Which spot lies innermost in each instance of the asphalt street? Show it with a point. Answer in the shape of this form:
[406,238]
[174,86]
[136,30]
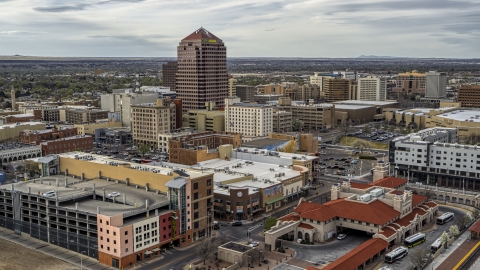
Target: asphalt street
[433,235]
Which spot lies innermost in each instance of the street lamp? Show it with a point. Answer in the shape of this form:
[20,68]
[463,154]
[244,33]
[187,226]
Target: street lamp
[81,259]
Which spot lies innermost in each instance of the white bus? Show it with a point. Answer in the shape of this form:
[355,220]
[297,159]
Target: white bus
[436,245]
[414,240]
[445,218]
[396,254]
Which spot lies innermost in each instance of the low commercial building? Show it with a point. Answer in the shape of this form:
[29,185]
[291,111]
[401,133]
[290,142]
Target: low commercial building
[433,156]
[90,128]
[356,114]
[75,116]
[67,144]
[18,118]
[113,136]
[189,149]
[36,136]
[12,131]
[204,120]
[384,208]
[303,143]
[467,121]
[22,153]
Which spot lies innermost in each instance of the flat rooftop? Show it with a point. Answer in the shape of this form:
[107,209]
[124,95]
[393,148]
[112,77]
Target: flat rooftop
[258,170]
[276,153]
[263,142]
[462,115]
[159,167]
[81,193]
[21,115]
[351,107]
[21,124]
[67,139]
[236,247]
[369,103]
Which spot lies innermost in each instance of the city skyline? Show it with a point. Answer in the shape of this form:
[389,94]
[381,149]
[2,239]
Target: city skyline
[137,28]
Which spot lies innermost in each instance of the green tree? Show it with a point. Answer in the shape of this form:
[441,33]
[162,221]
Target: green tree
[269,223]
[367,129]
[297,125]
[32,168]
[143,149]
[454,231]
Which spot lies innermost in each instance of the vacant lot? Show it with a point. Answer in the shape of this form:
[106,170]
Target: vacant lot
[351,141]
[16,257]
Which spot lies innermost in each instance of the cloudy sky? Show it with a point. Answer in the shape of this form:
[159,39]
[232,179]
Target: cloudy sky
[257,28]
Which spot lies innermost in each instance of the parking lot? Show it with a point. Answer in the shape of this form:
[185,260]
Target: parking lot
[128,153]
[343,162]
[375,136]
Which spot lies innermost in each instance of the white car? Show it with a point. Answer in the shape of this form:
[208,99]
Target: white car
[125,154]
[341,236]
[113,194]
[253,244]
[50,193]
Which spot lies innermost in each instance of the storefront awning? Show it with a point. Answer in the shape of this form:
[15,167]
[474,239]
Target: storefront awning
[148,252]
[293,194]
[155,249]
[275,200]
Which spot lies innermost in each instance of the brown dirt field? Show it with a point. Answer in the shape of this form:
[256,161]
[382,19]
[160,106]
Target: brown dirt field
[16,257]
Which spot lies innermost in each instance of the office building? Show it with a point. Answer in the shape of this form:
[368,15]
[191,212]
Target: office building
[251,120]
[436,84]
[169,71]
[309,92]
[122,100]
[232,86]
[150,119]
[469,96]
[282,121]
[78,116]
[313,116]
[246,93]
[318,79]
[337,89]
[410,83]
[372,88]
[202,71]
[349,75]
[204,120]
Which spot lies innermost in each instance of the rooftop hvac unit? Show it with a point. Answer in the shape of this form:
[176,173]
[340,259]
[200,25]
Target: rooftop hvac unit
[365,198]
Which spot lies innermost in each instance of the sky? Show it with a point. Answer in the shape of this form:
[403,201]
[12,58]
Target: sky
[249,28]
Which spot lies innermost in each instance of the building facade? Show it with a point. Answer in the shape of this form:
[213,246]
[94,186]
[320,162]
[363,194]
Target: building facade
[410,83]
[84,116]
[372,88]
[122,102]
[337,89]
[12,131]
[246,93]
[204,120]
[113,136]
[436,84]
[202,70]
[169,71]
[150,119]
[35,136]
[282,121]
[469,96]
[251,120]
[232,86]
[314,116]
[67,144]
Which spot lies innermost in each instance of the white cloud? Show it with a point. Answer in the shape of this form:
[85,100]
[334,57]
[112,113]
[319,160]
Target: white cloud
[304,28]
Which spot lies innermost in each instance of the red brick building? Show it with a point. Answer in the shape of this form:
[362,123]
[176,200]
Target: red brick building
[36,136]
[68,144]
[25,117]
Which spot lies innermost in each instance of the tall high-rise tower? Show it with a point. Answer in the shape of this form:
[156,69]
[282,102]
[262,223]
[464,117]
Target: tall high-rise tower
[201,70]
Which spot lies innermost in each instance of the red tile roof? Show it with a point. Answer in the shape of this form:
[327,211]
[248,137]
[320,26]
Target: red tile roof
[200,34]
[417,199]
[289,217]
[389,182]
[431,204]
[359,255]
[405,221]
[475,227]
[360,185]
[306,226]
[375,212]
[387,232]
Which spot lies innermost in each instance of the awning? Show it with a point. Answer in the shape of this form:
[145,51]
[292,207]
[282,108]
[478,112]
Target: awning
[295,193]
[155,249]
[148,252]
[275,200]
[256,210]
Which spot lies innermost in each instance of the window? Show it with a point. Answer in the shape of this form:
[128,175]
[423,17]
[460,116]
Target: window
[195,206]
[209,182]
[108,248]
[195,215]
[101,246]
[114,233]
[114,242]
[108,231]
[126,250]
[195,196]
[114,250]
[107,223]
[126,232]
[101,229]
[195,186]
[195,225]
[209,192]
[126,241]
[108,240]
[100,221]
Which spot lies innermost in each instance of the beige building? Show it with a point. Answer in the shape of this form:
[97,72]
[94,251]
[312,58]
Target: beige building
[204,120]
[469,95]
[282,121]
[12,131]
[150,119]
[251,120]
[337,89]
[314,116]
[309,92]
[84,116]
[232,86]
[372,88]
[90,128]
[411,82]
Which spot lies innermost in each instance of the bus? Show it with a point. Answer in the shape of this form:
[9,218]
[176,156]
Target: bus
[446,217]
[436,245]
[414,240]
[396,254]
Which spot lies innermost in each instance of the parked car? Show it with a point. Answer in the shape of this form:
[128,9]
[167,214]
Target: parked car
[341,236]
[50,193]
[113,194]
[237,223]
[216,225]
[253,244]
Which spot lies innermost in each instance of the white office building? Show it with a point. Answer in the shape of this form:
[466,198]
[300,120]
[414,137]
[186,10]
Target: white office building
[372,88]
[251,120]
[436,85]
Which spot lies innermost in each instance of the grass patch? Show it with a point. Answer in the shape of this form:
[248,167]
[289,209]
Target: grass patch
[351,141]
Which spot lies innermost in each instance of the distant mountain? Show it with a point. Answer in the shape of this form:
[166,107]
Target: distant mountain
[376,56]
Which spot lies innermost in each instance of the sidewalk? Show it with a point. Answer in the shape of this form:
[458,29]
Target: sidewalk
[455,252]
[52,250]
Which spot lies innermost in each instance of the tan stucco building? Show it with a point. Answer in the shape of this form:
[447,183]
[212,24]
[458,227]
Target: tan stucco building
[204,120]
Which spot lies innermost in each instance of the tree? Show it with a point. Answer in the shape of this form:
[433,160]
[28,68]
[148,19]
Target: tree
[445,237]
[269,223]
[206,248]
[143,149]
[476,214]
[297,125]
[361,144]
[32,168]
[463,221]
[454,231]
[256,255]
[421,257]
[367,129]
